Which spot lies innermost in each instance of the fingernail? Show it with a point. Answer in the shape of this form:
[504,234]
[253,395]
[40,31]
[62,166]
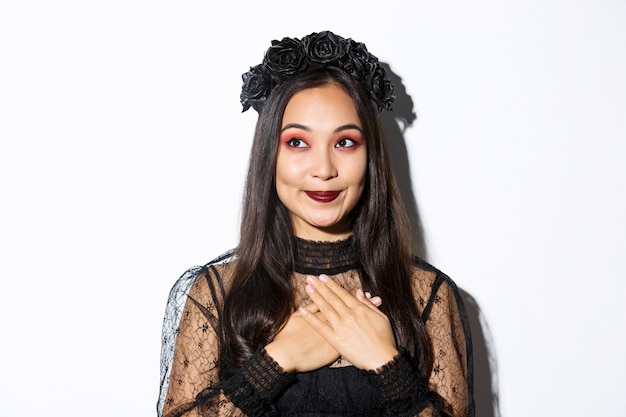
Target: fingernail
[303,311]
[310,279]
[323,278]
[368,295]
[309,289]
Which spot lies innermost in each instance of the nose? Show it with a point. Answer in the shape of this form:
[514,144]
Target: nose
[323,165]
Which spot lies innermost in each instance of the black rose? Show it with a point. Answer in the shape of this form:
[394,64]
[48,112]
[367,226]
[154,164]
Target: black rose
[256,87]
[357,60]
[325,47]
[292,56]
[286,57]
[381,88]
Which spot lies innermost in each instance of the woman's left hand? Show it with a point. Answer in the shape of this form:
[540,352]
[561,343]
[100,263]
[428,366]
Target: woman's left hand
[355,327]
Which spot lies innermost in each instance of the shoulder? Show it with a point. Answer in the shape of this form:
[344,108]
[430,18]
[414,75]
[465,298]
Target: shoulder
[431,285]
[425,270]
[208,279]
[199,287]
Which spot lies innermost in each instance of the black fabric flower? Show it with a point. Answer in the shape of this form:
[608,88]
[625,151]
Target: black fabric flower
[381,89]
[325,47]
[286,57]
[292,56]
[357,60]
[257,85]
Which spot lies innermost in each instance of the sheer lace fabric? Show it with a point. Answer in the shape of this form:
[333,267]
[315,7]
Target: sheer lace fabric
[193,383]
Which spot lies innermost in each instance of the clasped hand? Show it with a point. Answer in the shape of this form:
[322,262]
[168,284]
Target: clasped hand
[336,323]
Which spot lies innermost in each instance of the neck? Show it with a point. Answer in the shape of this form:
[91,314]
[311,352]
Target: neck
[340,231]
[325,257]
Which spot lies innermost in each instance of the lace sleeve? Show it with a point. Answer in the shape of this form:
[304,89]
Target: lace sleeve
[194,382]
[173,312]
[447,389]
[190,345]
[448,329]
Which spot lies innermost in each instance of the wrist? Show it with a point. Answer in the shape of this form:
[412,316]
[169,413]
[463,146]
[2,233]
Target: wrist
[381,359]
[255,386]
[400,385]
[280,356]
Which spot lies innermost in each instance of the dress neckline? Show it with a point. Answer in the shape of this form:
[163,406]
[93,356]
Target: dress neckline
[315,258]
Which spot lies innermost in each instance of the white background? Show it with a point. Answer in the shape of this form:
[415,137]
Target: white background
[123,149]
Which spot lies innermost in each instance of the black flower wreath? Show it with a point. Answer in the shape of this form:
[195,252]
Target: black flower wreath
[292,56]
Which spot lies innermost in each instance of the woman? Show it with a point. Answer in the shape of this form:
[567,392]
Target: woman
[321,309]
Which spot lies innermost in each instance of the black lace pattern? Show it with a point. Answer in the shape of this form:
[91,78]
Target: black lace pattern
[194,383]
[330,258]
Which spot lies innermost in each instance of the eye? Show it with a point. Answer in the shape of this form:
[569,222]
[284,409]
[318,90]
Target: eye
[346,143]
[296,143]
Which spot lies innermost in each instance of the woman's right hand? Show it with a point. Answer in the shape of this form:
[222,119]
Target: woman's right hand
[298,347]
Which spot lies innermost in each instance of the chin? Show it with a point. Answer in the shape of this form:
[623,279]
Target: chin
[331,227]
[325,224]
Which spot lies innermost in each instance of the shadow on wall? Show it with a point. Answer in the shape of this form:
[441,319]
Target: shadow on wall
[394,124]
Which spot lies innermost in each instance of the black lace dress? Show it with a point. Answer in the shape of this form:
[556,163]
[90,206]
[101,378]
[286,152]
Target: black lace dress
[195,383]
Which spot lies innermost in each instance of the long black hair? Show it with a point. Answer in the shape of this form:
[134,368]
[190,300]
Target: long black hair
[261,296]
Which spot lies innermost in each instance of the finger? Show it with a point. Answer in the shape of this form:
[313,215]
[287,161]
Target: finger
[367,299]
[336,290]
[320,298]
[333,300]
[312,307]
[377,301]
[322,327]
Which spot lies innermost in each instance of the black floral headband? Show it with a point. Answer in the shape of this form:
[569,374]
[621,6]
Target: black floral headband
[293,56]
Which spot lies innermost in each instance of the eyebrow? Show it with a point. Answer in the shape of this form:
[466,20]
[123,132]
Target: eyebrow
[341,128]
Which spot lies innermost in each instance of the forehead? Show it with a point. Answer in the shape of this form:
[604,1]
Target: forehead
[327,104]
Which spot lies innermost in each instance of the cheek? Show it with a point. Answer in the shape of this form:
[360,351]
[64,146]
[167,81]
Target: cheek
[361,177]
[356,177]
[359,169]
[286,171]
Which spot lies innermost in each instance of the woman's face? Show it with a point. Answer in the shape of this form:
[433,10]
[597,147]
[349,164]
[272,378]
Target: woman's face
[321,163]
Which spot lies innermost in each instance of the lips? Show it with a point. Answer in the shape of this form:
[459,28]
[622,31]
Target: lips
[323,196]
